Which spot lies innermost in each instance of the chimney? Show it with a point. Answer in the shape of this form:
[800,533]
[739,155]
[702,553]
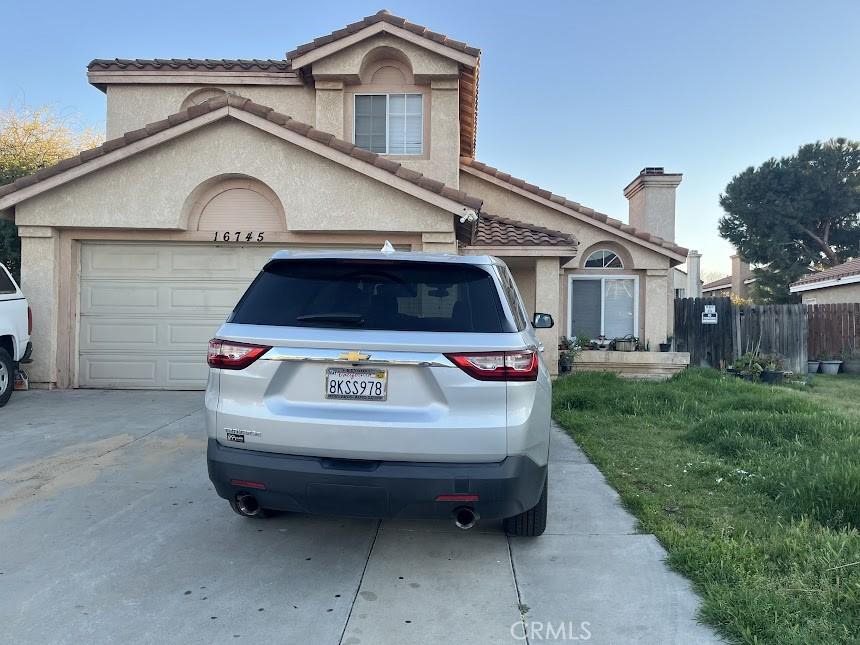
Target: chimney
[652,202]
[694,281]
[740,274]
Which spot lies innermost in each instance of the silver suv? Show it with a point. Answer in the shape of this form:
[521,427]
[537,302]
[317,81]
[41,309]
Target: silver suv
[381,385]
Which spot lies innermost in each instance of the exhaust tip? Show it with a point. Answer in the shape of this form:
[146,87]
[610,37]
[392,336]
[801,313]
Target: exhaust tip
[247,504]
[465,517]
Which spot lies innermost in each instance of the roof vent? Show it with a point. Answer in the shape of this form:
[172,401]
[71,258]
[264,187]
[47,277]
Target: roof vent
[652,170]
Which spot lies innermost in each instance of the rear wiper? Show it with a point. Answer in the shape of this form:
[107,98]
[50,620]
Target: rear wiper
[345,319]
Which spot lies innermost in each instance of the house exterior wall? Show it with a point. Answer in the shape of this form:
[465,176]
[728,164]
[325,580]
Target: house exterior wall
[652,268]
[149,190]
[327,103]
[832,295]
[132,106]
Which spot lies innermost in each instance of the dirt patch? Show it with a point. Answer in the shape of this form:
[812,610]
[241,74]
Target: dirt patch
[71,467]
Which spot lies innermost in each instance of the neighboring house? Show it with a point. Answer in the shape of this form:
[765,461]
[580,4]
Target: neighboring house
[134,252]
[737,284]
[834,285]
[682,279]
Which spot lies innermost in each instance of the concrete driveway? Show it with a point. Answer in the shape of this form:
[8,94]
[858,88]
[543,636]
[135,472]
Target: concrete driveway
[110,532]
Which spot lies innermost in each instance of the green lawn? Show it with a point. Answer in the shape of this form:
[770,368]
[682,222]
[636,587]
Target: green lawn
[753,490]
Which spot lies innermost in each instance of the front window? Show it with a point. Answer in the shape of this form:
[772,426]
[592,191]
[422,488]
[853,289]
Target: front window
[390,124]
[603,306]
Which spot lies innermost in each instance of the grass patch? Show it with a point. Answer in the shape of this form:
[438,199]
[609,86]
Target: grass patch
[753,490]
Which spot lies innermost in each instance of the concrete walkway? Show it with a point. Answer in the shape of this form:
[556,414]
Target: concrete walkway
[110,532]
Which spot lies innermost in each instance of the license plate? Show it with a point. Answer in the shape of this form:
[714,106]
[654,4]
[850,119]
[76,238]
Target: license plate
[356,384]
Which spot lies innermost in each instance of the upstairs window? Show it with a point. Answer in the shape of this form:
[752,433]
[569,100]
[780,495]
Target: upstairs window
[390,124]
[604,259]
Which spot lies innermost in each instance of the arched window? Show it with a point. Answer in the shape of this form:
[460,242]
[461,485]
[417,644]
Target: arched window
[199,96]
[604,259]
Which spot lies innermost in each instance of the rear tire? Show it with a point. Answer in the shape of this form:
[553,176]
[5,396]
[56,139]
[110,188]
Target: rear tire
[260,515]
[530,523]
[7,377]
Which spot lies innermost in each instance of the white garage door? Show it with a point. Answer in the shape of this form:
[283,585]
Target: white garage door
[147,310]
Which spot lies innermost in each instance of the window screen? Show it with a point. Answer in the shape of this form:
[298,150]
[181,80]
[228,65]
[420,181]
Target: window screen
[370,119]
[390,123]
[585,308]
[373,294]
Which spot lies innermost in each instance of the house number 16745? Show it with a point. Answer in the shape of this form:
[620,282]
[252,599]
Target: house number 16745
[237,236]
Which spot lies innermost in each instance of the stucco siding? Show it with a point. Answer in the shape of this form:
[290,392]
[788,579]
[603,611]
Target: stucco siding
[149,190]
[832,295]
[130,107]
[503,202]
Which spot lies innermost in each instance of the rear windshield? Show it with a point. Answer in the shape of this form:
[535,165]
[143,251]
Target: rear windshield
[373,294]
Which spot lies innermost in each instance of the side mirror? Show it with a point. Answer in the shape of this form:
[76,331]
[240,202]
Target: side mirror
[542,321]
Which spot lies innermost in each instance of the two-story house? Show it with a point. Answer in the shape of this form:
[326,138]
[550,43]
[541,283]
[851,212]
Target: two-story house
[134,252]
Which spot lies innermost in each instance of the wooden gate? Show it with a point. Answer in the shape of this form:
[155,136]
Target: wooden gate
[765,329]
[708,344]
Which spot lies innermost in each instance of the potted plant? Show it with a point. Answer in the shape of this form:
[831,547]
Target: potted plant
[748,367]
[831,365]
[626,344]
[565,361]
[772,372]
[851,361]
[667,346]
[812,365]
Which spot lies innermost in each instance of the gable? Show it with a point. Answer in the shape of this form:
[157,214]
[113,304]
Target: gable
[150,189]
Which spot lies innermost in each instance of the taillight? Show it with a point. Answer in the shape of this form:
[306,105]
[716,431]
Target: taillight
[29,321]
[232,355]
[498,366]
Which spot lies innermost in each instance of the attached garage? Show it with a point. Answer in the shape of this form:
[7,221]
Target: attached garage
[148,310]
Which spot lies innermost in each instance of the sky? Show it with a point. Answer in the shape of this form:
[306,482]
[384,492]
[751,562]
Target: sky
[575,96]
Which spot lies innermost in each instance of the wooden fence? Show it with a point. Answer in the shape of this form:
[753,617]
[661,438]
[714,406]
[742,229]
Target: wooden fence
[834,330]
[766,329]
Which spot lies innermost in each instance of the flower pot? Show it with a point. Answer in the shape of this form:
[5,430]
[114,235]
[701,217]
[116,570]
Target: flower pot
[665,347]
[625,345]
[851,366]
[772,378]
[830,367]
[563,367]
[812,366]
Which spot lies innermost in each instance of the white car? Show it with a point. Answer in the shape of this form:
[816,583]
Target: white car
[16,324]
[380,385]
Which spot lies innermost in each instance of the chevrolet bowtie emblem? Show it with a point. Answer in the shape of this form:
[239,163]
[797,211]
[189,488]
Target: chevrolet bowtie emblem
[353,356]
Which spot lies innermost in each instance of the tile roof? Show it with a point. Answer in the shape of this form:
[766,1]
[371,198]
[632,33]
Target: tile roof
[492,230]
[722,282]
[844,270]
[241,103]
[383,16]
[184,64]
[468,76]
[571,205]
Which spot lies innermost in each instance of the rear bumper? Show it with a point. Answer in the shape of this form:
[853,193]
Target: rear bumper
[375,488]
